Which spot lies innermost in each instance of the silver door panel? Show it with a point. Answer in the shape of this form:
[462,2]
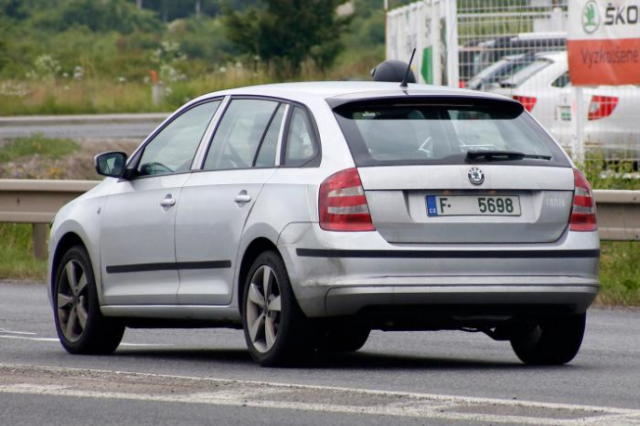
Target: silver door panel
[137,230]
[209,227]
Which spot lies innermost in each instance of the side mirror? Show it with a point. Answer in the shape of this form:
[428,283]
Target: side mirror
[111,164]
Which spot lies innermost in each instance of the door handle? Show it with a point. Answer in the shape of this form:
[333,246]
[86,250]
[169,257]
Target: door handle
[168,201]
[243,197]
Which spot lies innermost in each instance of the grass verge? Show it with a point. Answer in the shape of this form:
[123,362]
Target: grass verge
[16,254]
[620,273]
[29,146]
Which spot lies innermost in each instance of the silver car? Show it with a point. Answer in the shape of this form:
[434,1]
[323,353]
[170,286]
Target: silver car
[309,214]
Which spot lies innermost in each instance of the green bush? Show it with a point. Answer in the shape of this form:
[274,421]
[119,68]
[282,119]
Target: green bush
[617,173]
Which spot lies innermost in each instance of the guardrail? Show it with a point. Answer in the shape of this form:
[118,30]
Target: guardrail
[618,214]
[37,201]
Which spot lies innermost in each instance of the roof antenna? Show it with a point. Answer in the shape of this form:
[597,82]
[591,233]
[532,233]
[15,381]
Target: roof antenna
[406,74]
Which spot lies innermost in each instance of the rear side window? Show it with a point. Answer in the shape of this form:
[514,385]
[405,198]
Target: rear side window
[563,81]
[239,134]
[267,152]
[385,133]
[301,147]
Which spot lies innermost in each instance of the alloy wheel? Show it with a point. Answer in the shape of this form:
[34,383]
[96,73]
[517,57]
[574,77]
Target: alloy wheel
[264,308]
[73,301]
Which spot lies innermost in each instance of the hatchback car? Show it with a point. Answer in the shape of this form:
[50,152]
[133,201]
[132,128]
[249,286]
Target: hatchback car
[309,214]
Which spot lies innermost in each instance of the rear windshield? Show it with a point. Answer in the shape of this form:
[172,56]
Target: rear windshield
[526,73]
[442,132]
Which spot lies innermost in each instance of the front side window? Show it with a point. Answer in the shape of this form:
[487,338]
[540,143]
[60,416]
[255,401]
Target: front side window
[172,150]
[238,135]
[300,140]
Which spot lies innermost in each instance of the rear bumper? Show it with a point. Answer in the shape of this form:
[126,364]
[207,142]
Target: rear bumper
[341,274]
[348,301]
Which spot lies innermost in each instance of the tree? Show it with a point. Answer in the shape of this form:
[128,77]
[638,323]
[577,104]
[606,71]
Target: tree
[13,9]
[101,16]
[287,32]
[170,10]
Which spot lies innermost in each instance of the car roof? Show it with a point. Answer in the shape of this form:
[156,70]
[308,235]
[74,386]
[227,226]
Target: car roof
[348,90]
[554,56]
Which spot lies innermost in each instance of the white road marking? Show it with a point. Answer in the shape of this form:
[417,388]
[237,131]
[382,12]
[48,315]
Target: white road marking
[146,345]
[55,339]
[411,404]
[2,331]
[33,339]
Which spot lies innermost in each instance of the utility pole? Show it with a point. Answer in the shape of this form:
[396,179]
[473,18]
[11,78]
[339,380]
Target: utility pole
[198,7]
[139,4]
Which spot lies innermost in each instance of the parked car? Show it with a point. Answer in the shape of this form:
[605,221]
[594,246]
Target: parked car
[609,125]
[544,88]
[538,86]
[496,49]
[309,214]
[504,68]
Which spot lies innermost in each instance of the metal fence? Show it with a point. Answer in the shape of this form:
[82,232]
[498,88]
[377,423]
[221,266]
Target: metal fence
[517,48]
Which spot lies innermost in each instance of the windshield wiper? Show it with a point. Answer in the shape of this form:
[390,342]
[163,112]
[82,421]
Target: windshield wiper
[504,155]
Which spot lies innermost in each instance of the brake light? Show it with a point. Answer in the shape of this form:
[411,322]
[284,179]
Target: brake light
[583,213]
[602,106]
[343,205]
[528,102]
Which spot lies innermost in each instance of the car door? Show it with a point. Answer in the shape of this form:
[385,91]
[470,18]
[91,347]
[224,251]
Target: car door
[217,200]
[138,261]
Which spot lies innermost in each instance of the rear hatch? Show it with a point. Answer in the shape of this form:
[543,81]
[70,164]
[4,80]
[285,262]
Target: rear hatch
[458,170]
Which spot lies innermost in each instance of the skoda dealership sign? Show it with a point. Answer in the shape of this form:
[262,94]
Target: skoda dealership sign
[590,17]
[604,42]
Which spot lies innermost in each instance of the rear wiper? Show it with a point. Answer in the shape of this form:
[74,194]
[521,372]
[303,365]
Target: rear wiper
[504,155]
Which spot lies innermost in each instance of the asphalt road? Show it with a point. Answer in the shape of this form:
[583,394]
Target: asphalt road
[90,131]
[206,377]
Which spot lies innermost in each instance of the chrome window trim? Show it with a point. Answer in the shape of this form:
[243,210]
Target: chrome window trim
[198,160]
[285,119]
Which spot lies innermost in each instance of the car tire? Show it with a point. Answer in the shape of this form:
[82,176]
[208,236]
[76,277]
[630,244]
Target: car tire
[276,330]
[343,339]
[81,327]
[552,342]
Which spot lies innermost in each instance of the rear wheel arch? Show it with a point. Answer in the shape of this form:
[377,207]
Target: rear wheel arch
[251,253]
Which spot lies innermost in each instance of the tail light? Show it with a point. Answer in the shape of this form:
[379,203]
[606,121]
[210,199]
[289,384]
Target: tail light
[602,106]
[583,213]
[462,84]
[528,102]
[343,205]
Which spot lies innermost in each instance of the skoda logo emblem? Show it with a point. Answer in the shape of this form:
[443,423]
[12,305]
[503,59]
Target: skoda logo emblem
[590,17]
[476,176]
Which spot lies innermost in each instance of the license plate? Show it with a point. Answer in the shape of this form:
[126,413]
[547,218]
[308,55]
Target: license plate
[473,205]
[564,112]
